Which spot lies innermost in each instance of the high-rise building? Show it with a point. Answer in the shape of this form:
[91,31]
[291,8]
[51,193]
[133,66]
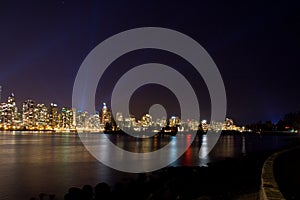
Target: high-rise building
[74,117]
[119,117]
[3,113]
[41,116]
[204,125]
[12,110]
[130,122]
[120,120]
[106,115]
[66,118]
[9,115]
[228,124]
[146,120]
[94,121]
[174,121]
[82,119]
[28,114]
[216,126]
[53,115]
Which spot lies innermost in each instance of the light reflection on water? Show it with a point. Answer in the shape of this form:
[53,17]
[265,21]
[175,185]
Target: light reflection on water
[31,163]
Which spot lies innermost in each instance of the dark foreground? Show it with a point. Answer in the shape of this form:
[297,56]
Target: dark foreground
[287,175]
[227,179]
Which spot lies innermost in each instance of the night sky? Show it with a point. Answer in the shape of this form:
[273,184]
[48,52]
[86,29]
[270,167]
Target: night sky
[255,45]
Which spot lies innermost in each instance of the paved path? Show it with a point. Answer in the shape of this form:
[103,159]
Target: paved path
[287,173]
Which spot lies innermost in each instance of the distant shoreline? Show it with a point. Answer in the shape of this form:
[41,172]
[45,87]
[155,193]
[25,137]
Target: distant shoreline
[73,132]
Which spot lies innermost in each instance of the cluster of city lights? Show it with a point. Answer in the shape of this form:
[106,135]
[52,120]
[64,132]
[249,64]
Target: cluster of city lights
[40,117]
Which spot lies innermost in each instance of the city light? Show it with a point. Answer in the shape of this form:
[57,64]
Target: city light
[40,117]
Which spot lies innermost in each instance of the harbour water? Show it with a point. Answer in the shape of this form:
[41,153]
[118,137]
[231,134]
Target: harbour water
[31,163]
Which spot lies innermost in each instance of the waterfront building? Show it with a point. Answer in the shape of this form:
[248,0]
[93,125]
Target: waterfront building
[53,115]
[82,119]
[3,112]
[119,117]
[216,126]
[41,116]
[127,123]
[228,124]
[74,117]
[120,120]
[162,122]
[12,110]
[204,125]
[174,121]
[28,114]
[66,119]
[190,125]
[146,120]
[105,115]
[94,122]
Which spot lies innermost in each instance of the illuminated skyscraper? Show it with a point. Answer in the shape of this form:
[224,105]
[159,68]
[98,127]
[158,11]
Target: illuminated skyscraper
[174,121]
[28,115]
[74,117]
[82,119]
[204,125]
[3,112]
[41,116]
[12,110]
[146,120]
[66,118]
[106,115]
[119,117]
[228,123]
[94,121]
[120,120]
[130,122]
[9,115]
[216,126]
[53,115]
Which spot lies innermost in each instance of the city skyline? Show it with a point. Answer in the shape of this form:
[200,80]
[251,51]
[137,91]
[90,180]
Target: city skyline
[39,116]
[52,117]
[98,109]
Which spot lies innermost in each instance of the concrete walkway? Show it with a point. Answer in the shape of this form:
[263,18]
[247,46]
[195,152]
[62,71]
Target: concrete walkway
[280,177]
[287,173]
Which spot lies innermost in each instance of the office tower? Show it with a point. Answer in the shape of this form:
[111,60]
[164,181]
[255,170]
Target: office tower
[204,125]
[106,115]
[66,118]
[216,126]
[119,117]
[12,110]
[94,121]
[228,124]
[82,119]
[146,120]
[3,111]
[53,115]
[41,116]
[74,117]
[28,115]
[174,121]
[120,120]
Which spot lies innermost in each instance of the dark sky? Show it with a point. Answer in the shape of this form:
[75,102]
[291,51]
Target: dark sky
[255,45]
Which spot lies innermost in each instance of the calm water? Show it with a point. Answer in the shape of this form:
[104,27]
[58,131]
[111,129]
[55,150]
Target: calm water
[35,163]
